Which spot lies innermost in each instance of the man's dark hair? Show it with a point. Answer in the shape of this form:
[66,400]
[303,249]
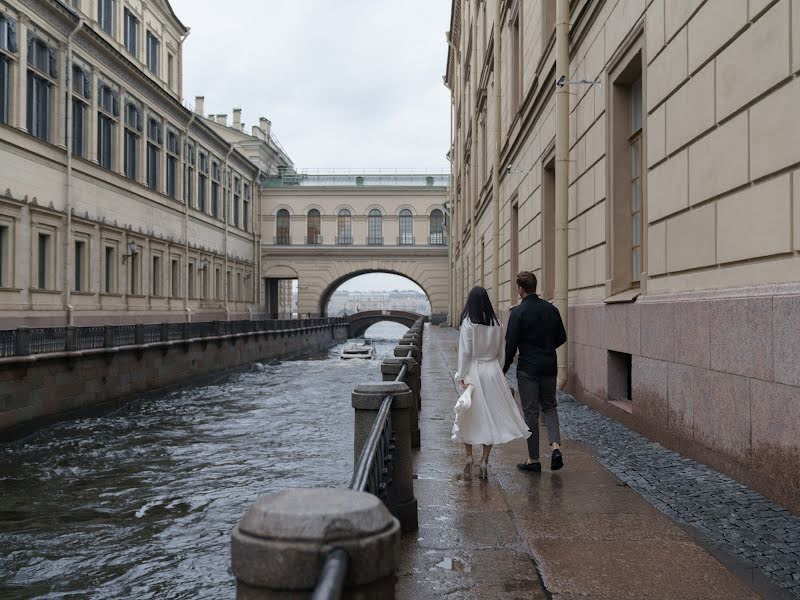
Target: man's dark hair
[527,281]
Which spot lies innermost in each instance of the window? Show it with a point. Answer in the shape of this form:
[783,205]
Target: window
[190,281]
[133,127]
[131,33]
[548,250]
[217,284]
[237,199]
[548,22]
[44,268]
[202,187]
[238,286]
[155,274]
[152,53]
[514,245]
[215,177]
[105,15]
[134,274]
[80,266]
[375,228]
[81,91]
[108,104]
[204,290]
[344,228]
[174,278]
[282,227]
[628,252]
[436,220]
[170,71]
[3,255]
[109,270]
[313,233]
[246,208]
[8,47]
[42,72]
[228,285]
[188,173]
[153,152]
[173,152]
[483,262]
[406,228]
[516,59]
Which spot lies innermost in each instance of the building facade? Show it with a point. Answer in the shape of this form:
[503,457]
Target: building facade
[344,302]
[117,203]
[683,203]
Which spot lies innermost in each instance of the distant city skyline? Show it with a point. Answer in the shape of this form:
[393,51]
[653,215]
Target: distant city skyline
[380,282]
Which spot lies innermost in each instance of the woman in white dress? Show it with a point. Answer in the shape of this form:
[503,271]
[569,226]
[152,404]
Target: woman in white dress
[491,415]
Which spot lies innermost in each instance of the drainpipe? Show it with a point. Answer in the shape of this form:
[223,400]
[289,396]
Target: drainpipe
[256,228]
[496,170]
[186,308]
[226,217]
[68,189]
[561,294]
[473,229]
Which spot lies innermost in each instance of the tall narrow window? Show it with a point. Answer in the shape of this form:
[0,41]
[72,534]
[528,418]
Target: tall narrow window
[215,178]
[170,71]
[134,275]
[375,228]
[81,92]
[202,179]
[548,250]
[3,255]
[153,152]
[483,262]
[437,227]
[152,53]
[188,173]
[133,128]
[516,59]
[105,15]
[43,261]
[514,245]
[548,22]
[173,152]
[190,291]
[635,140]
[282,227]
[156,276]
[108,103]
[406,228]
[174,278]
[344,228]
[80,266]
[42,73]
[218,284]
[8,48]
[204,294]
[109,271]
[228,285]
[246,208]
[131,33]
[237,199]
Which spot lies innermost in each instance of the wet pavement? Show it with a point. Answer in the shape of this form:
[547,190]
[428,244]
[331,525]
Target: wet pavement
[577,533]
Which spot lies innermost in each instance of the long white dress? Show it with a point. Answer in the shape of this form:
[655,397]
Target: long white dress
[492,416]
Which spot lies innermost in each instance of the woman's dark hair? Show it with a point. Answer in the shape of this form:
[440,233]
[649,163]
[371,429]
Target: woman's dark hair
[478,308]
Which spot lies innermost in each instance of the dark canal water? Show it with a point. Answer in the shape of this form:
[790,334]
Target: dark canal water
[140,503]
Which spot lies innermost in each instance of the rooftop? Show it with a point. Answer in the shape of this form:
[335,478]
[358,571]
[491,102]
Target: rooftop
[360,178]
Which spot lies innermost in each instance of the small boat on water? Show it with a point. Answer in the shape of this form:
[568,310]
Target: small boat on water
[358,348]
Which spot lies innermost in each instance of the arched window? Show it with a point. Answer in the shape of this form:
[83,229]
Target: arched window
[437,227]
[313,235]
[282,228]
[406,228]
[375,228]
[344,228]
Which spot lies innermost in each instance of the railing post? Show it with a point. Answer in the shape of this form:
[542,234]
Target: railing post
[164,337]
[22,346]
[108,336]
[390,368]
[367,399]
[70,339]
[138,334]
[218,327]
[279,547]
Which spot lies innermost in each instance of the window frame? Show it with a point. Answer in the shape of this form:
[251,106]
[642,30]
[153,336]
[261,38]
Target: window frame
[344,227]
[41,81]
[106,15]
[173,152]
[405,227]
[436,238]
[155,139]
[153,49]
[131,138]
[107,120]
[131,25]
[375,227]
[283,227]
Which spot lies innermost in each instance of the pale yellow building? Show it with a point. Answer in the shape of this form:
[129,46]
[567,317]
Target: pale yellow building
[117,203]
[684,204]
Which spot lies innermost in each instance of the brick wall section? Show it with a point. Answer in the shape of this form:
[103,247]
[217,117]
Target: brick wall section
[36,392]
[716,378]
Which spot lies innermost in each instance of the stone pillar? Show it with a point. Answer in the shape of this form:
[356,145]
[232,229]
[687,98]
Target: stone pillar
[70,339]
[390,368]
[22,345]
[367,399]
[278,549]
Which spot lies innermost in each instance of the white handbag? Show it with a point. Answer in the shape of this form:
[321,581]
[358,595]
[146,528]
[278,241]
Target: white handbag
[463,404]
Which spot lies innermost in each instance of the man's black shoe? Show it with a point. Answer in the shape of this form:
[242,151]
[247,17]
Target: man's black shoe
[533,467]
[557,461]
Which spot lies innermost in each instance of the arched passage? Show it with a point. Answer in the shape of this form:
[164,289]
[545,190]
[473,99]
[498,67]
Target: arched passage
[378,298]
[360,322]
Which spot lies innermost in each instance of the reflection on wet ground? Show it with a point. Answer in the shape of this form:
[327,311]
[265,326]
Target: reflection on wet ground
[140,503]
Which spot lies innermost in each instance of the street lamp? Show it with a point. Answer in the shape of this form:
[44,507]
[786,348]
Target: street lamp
[132,251]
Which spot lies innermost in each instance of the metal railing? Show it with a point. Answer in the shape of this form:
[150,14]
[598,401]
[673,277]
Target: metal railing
[373,473]
[25,341]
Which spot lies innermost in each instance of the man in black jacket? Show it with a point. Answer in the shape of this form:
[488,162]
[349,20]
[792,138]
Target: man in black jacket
[536,330]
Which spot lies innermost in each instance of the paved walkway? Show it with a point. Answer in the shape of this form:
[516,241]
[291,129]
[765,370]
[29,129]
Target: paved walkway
[578,533]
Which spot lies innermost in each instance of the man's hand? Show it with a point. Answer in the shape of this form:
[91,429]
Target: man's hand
[462,384]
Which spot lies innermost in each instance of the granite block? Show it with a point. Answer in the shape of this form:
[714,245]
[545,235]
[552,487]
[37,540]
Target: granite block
[741,336]
[657,330]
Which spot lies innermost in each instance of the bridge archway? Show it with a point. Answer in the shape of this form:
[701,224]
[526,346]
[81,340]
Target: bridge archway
[360,322]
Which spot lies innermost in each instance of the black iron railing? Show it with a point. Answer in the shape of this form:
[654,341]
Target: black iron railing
[8,342]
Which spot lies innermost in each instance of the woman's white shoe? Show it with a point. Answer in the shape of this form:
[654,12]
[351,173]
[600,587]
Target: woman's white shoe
[484,470]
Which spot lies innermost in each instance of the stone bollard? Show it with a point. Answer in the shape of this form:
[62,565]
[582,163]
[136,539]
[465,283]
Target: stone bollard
[279,547]
[367,399]
[390,368]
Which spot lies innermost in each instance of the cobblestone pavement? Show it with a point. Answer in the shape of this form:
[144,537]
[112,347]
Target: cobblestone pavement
[735,519]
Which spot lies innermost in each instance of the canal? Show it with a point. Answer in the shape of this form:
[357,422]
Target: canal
[140,503]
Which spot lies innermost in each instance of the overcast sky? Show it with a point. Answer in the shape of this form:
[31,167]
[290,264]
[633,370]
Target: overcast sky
[346,83]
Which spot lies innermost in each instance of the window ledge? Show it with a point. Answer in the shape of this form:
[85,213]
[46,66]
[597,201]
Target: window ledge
[81,293]
[110,295]
[41,291]
[10,289]
[626,296]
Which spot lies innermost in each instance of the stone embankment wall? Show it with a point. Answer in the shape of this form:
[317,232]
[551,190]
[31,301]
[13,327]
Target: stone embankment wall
[38,389]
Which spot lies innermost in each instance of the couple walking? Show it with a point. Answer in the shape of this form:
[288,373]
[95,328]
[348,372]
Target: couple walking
[486,412]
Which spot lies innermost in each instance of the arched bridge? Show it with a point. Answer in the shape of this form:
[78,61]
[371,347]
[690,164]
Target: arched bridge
[360,322]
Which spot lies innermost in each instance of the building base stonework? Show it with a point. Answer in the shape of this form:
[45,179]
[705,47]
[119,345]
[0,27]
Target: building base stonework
[36,390]
[714,376]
